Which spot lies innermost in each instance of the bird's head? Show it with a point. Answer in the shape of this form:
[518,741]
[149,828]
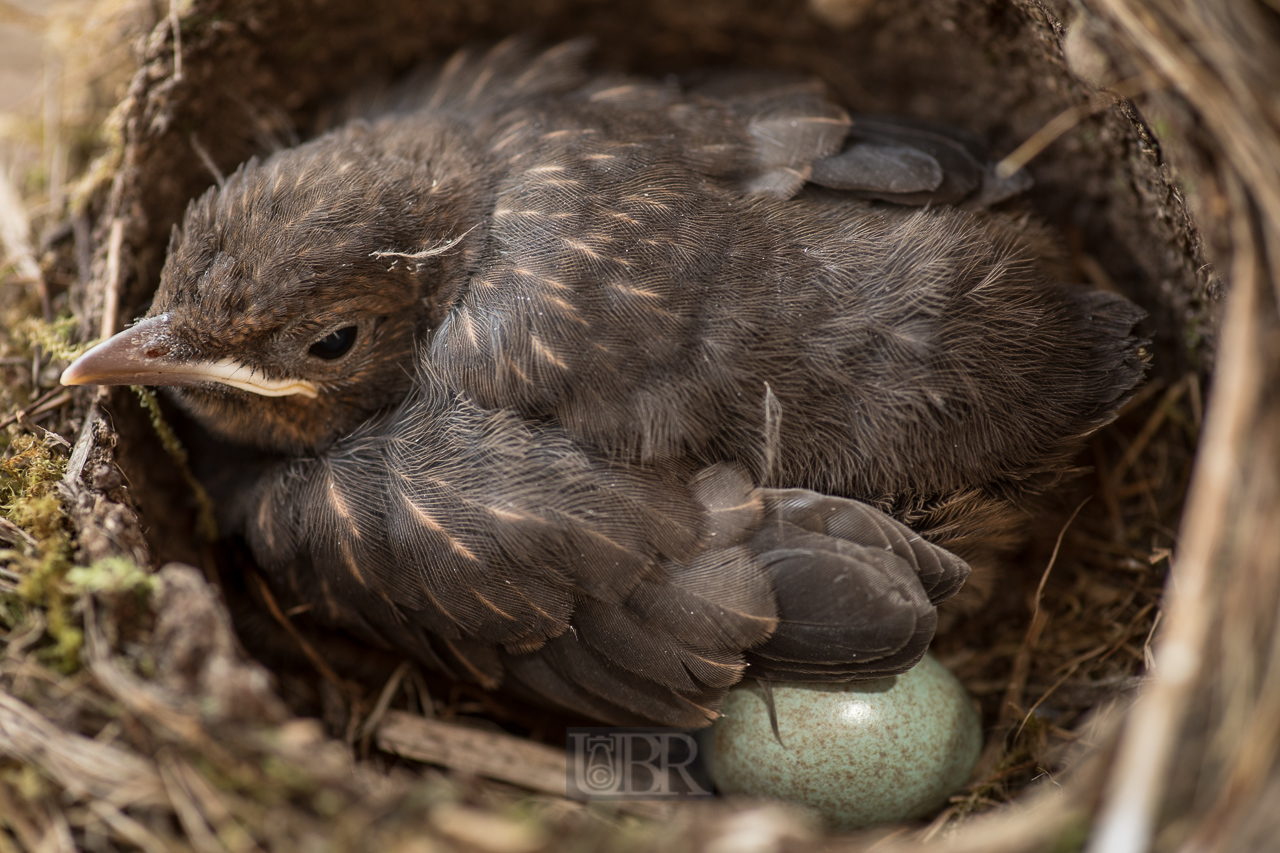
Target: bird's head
[293,298]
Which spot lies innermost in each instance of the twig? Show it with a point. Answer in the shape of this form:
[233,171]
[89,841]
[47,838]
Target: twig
[495,756]
[128,829]
[321,665]
[1112,503]
[57,837]
[1022,663]
[1011,704]
[1149,430]
[28,834]
[13,534]
[1044,696]
[1070,117]
[177,40]
[46,402]
[380,707]
[201,152]
[111,294]
[230,832]
[83,767]
[184,806]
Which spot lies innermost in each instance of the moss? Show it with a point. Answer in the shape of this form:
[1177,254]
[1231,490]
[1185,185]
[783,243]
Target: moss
[53,339]
[285,779]
[49,581]
[1160,127]
[29,498]
[28,491]
[115,575]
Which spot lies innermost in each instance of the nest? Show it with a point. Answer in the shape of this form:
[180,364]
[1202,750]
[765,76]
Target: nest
[1127,674]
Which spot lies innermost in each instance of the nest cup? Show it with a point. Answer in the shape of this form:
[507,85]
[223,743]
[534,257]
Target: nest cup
[1156,141]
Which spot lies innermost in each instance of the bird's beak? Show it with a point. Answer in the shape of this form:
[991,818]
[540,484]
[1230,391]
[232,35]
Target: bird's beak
[145,355]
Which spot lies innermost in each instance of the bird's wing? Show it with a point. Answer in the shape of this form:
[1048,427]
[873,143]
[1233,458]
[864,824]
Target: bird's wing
[498,549]
[798,135]
[915,162]
[854,591]
[880,582]
[464,521]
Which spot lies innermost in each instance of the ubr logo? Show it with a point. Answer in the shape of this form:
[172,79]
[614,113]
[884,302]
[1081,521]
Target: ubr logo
[637,764]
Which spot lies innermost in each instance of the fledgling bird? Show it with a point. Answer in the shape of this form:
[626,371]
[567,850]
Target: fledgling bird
[615,391]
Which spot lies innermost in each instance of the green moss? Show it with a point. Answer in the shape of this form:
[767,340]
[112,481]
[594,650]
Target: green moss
[329,803]
[29,498]
[53,339]
[1193,337]
[39,513]
[28,491]
[116,575]
[49,583]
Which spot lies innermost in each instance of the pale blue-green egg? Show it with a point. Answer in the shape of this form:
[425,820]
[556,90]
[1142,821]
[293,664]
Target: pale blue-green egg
[863,753]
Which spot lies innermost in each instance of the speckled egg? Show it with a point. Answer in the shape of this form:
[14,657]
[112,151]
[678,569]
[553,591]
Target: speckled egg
[864,753]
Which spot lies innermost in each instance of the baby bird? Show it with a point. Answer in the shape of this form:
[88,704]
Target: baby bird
[613,392]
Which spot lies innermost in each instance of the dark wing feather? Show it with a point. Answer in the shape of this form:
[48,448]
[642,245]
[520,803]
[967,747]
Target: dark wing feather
[841,604]
[912,161]
[856,590]
[511,552]
[468,522]
[569,675]
[940,573]
[874,168]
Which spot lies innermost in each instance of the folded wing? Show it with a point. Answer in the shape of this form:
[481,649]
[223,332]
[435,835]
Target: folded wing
[503,553]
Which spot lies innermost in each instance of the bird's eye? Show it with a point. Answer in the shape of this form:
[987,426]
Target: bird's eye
[336,344]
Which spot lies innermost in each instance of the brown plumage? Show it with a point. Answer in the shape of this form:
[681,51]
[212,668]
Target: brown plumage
[611,390]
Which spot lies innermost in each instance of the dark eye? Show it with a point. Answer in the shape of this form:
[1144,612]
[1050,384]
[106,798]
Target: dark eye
[335,345]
